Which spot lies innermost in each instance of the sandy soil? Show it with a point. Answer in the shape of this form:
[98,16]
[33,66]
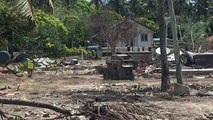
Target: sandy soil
[68,90]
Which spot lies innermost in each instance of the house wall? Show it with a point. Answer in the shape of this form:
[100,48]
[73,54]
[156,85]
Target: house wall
[144,44]
[139,45]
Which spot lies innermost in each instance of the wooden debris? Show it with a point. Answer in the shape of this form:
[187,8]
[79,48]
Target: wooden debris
[33,104]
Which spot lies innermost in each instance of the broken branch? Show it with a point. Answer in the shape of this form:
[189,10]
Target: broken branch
[33,104]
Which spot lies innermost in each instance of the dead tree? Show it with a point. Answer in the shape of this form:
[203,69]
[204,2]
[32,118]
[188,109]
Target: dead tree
[109,27]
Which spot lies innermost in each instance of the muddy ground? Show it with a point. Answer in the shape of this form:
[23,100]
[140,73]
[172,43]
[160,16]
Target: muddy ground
[140,99]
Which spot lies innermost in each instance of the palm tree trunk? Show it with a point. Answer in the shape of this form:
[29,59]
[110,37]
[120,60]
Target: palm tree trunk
[176,44]
[165,80]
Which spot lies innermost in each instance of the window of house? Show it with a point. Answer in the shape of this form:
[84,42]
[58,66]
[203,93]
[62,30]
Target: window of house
[144,37]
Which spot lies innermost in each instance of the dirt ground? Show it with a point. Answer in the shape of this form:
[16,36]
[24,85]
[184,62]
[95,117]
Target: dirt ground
[73,90]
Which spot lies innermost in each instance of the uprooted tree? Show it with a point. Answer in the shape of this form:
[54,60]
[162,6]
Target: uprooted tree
[108,26]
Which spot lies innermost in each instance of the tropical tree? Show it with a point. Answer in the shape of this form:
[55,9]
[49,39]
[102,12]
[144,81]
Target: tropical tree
[165,80]
[49,37]
[77,31]
[119,6]
[176,43]
[143,8]
[13,24]
[183,8]
[209,27]
[99,3]
[23,8]
[74,15]
[194,33]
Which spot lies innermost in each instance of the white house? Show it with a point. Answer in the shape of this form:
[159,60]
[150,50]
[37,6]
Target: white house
[141,42]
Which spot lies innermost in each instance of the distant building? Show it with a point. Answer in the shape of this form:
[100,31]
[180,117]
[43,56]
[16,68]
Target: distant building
[141,42]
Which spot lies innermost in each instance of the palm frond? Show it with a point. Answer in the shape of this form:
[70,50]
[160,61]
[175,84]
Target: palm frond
[24,8]
[51,4]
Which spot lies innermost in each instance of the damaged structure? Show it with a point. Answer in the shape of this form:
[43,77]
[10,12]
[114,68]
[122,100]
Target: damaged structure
[120,67]
[203,60]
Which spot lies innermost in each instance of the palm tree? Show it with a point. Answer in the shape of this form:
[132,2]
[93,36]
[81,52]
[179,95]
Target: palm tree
[176,44]
[165,80]
[24,8]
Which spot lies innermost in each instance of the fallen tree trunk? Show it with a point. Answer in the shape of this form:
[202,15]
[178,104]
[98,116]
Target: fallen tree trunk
[30,103]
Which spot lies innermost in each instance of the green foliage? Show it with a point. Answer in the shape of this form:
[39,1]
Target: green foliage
[84,7]
[3,17]
[50,26]
[119,6]
[80,8]
[145,8]
[75,51]
[51,31]
[74,14]
[9,21]
[147,23]
[209,27]
[71,19]
[4,13]
[77,31]
[194,32]
[108,16]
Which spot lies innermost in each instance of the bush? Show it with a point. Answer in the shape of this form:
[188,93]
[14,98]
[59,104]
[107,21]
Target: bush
[75,51]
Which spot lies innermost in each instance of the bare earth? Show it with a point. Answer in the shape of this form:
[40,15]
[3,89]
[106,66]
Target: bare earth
[70,90]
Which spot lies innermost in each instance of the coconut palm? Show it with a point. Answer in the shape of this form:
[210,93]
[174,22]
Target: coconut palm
[165,80]
[176,44]
[25,7]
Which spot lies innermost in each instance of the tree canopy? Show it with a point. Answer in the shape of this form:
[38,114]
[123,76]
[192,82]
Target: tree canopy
[65,22]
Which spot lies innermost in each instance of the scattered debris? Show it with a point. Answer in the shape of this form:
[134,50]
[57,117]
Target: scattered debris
[3,70]
[209,116]
[8,91]
[122,111]
[34,104]
[149,69]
